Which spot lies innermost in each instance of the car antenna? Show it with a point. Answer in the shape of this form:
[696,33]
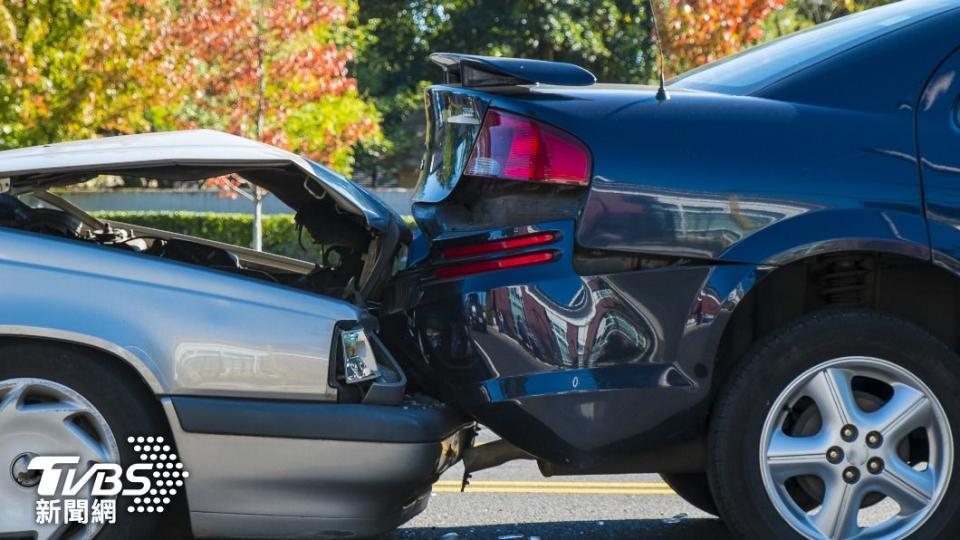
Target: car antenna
[662,94]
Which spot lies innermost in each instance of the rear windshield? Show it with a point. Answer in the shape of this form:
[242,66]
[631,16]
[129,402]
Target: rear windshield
[760,66]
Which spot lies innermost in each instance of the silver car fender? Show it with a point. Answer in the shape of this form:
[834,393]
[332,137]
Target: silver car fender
[187,330]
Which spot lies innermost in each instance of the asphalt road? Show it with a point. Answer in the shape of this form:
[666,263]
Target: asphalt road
[514,502]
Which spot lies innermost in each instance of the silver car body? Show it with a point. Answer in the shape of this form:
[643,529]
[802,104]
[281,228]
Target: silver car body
[186,330]
[172,321]
[198,332]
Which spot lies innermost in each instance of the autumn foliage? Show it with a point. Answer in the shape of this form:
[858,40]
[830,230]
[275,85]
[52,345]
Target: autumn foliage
[73,69]
[699,31]
[273,70]
[277,70]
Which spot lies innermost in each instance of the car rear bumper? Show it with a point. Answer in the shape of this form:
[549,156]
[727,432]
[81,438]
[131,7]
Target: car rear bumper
[263,469]
[607,372]
[580,374]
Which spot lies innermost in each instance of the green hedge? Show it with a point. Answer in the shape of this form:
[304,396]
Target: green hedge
[279,231]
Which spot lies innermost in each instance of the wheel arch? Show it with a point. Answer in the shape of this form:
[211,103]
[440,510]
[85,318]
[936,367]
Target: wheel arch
[910,288]
[131,373]
[110,352]
[815,233]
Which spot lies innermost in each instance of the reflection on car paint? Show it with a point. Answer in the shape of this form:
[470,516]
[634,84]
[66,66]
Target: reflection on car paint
[450,134]
[211,365]
[555,363]
[590,329]
[690,223]
[939,140]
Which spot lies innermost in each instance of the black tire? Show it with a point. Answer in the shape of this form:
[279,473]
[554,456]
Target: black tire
[743,404]
[693,488]
[122,400]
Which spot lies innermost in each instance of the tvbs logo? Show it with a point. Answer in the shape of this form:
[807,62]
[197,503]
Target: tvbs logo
[65,494]
[107,478]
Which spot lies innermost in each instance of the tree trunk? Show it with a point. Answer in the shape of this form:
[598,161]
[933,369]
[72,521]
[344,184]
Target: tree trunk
[257,219]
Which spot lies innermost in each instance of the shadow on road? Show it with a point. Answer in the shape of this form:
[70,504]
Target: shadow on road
[569,530]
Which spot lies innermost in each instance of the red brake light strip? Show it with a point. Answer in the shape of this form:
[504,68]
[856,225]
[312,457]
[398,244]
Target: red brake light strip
[467,269]
[458,252]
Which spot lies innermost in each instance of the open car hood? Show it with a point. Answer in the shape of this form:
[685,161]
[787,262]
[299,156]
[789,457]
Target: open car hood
[195,155]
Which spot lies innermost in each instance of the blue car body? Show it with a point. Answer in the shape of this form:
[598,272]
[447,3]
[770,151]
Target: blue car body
[832,149]
[586,299]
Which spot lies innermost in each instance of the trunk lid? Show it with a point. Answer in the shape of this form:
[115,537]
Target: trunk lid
[187,155]
[336,211]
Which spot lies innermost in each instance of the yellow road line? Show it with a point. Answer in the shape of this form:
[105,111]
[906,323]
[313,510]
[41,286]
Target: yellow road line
[555,491]
[558,484]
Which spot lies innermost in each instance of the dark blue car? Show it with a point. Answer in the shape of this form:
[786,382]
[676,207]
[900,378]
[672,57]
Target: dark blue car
[750,285]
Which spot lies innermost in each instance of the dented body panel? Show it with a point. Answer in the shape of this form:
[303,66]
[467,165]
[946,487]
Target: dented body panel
[693,201]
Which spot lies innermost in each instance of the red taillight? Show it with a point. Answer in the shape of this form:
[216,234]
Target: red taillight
[515,147]
[517,242]
[467,269]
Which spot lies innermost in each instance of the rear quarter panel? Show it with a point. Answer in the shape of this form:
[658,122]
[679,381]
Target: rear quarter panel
[823,160]
[701,175]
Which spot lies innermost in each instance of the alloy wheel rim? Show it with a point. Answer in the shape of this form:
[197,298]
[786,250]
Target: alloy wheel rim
[39,417]
[881,435]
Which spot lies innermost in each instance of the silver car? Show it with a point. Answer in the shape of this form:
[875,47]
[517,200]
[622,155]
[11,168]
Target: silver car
[155,383]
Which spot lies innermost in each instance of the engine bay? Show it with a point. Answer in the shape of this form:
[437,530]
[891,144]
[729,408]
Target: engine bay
[334,276]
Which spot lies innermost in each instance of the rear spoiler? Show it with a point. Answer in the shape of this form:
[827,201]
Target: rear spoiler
[472,71]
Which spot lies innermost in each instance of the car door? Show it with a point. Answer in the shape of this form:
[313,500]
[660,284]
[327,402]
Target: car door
[938,130]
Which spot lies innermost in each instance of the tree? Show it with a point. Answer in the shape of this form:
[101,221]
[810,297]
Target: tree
[271,70]
[609,37]
[75,68]
[699,31]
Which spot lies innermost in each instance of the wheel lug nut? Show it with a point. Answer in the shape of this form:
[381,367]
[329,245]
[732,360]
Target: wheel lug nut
[851,475]
[849,433]
[835,455]
[875,465]
[874,439]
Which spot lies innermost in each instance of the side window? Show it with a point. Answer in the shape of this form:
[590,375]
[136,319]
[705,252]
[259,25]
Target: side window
[938,133]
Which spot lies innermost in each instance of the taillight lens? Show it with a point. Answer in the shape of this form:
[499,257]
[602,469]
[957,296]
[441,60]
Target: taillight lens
[507,244]
[515,147]
[480,267]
